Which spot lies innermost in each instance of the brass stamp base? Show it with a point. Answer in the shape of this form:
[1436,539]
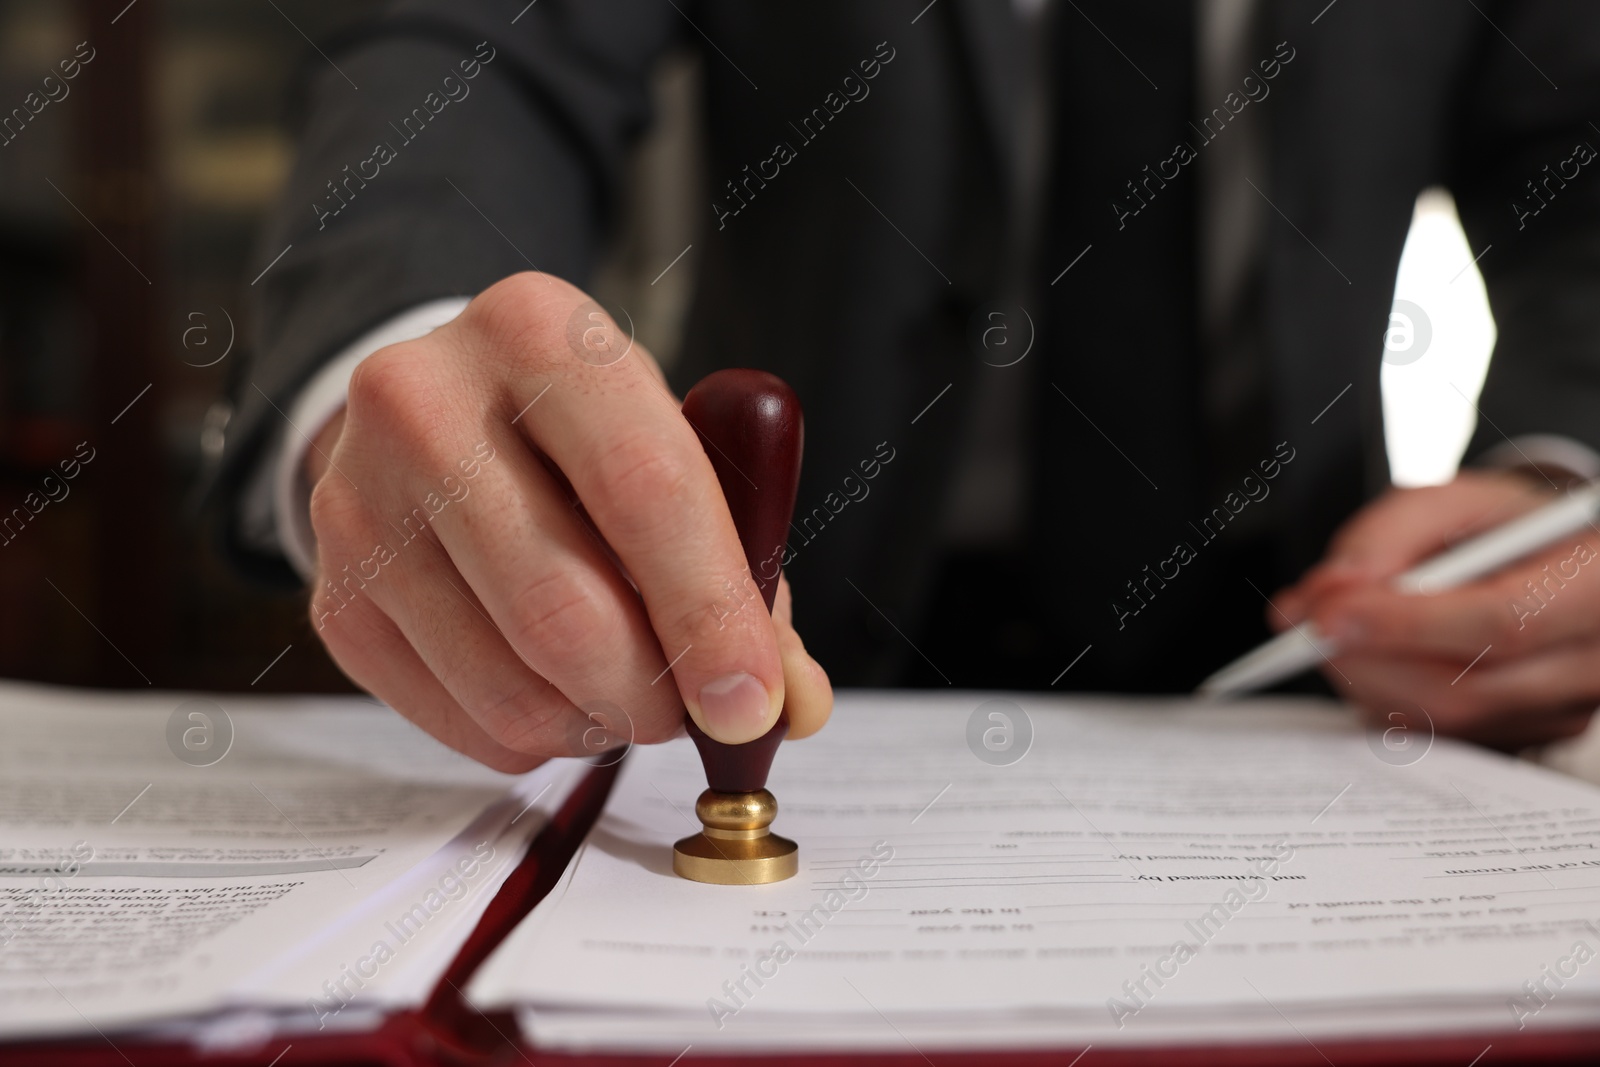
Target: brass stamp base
[735,848]
[769,858]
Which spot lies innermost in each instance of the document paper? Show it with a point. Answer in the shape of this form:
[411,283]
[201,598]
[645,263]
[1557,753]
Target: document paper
[138,886]
[1141,871]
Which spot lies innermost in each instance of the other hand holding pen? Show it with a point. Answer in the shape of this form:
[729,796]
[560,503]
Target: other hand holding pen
[1509,660]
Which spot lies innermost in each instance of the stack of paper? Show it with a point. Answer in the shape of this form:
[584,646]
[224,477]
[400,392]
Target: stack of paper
[1145,872]
[228,868]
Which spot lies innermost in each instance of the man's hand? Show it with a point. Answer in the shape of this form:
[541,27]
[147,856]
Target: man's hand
[1510,660]
[486,507]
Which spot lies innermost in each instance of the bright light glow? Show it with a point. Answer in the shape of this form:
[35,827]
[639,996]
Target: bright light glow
[1427,422]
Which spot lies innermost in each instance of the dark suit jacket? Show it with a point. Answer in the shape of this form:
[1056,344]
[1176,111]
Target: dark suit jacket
[1383,99]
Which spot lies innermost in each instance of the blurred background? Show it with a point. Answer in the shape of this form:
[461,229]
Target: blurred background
[129,205]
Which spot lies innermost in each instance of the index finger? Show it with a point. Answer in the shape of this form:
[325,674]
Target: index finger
[643,477]
[1551,599]
[1404,526]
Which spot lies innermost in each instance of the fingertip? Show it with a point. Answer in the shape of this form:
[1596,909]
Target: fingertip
[1345,623]
[1333,574]
[730,672]
[810,694]
[1287,607]
[1329,581]
[735,708]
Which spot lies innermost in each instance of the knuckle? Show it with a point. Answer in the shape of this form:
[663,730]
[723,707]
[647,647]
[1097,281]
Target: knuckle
[728,609]
[337,513]
[388,378]
[637,474]
[400,405]
[395,397]
[560,618]
[528,291]
[322,621]
[521,315]
[348,630]
[519,719]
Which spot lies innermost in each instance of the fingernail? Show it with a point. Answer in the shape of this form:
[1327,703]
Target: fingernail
[735,708]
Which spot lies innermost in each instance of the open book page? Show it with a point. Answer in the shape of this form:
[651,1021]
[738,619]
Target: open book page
[1091,870]
[169,854]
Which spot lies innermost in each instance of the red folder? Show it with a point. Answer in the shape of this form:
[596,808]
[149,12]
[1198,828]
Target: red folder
[448,1032]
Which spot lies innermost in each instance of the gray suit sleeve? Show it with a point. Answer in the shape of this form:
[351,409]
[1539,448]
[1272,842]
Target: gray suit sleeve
[1531,209]
[444,148]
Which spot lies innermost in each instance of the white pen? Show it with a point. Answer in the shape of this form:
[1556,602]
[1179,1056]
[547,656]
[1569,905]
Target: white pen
[1301,647]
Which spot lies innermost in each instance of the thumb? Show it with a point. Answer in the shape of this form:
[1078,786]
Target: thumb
[808,695]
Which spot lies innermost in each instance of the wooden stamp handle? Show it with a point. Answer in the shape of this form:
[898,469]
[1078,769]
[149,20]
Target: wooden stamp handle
[750,425]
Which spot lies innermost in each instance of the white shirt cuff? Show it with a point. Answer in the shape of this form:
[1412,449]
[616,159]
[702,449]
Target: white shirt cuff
[320,401]
[1544,452]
